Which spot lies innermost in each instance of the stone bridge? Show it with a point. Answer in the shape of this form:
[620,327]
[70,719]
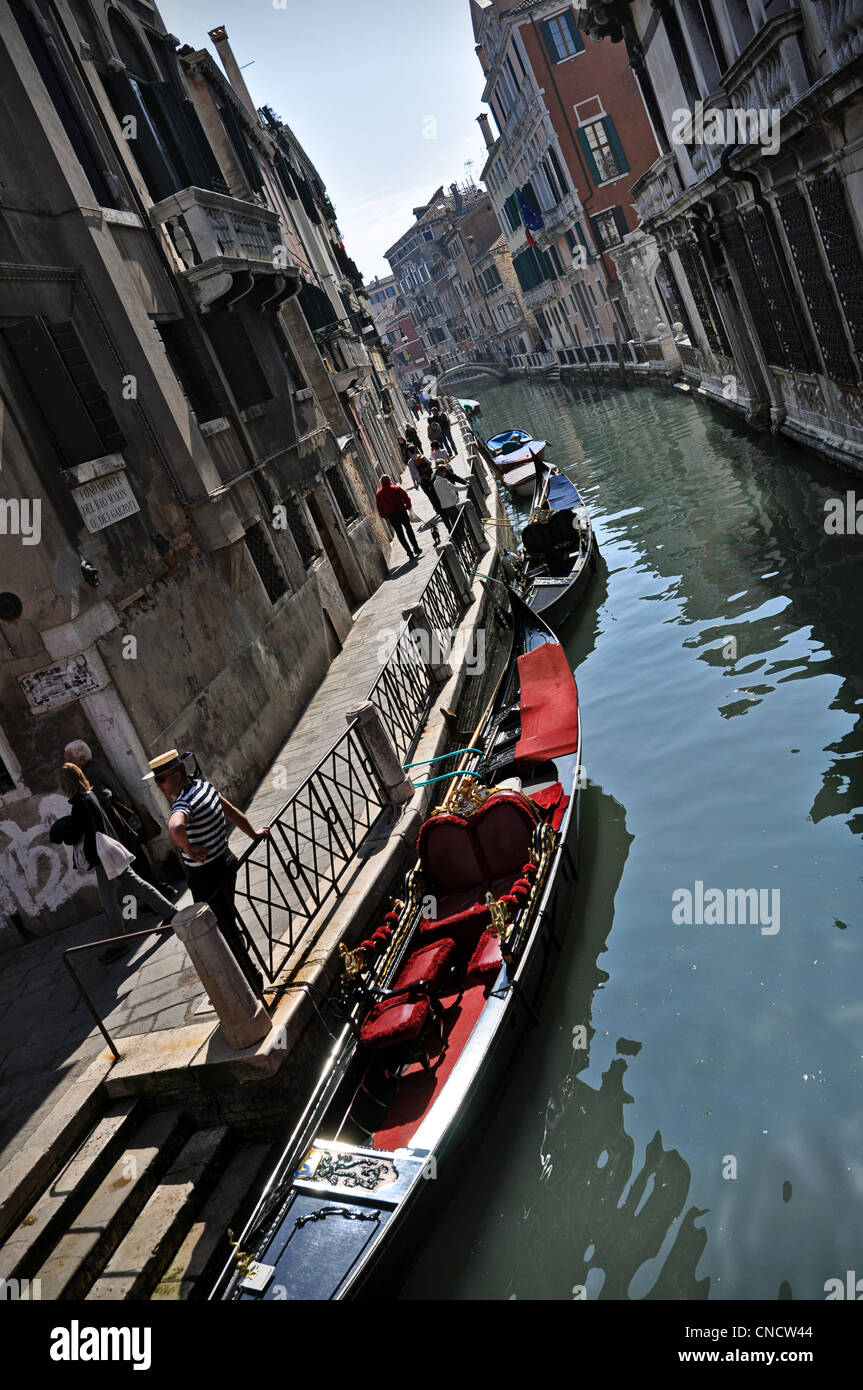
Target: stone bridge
[465,370]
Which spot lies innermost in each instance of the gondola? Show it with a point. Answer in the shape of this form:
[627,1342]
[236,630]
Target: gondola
[434,1002]
[558,547]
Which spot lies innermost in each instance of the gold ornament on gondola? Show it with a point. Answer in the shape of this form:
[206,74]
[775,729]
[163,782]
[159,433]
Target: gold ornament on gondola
[499,924]
[353,962]
[244,1262]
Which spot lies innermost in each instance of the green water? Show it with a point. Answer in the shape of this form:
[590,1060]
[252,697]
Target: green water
[708,1141]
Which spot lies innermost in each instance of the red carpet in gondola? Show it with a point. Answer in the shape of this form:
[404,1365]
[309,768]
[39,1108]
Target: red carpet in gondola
[549,705]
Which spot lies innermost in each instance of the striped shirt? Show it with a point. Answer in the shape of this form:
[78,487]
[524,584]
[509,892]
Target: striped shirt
[205,820]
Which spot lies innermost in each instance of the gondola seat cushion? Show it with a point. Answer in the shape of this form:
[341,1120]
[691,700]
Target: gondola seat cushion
[486,960]
[462,928]
[430,963]
[503,831]
[448,853]
[394,1022]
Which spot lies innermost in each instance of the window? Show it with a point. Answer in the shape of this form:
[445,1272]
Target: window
[270,572]
[562,39]
[237,358]
[193,367]
[7,781]
[298,528]
[342,493]
[609,227]
[74,408]
[604,151]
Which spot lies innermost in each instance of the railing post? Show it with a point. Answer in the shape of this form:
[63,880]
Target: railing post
[242,1017]
[381,752]
[457,575]
[418,621]
[474,521]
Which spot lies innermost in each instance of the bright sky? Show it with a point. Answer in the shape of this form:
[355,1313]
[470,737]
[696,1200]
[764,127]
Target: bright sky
[382,94]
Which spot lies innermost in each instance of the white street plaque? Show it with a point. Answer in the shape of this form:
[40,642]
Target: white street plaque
[105,501]
[58,685]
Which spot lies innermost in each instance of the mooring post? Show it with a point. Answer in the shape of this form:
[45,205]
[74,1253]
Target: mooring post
[437,666]
[381,752]
[242,1017]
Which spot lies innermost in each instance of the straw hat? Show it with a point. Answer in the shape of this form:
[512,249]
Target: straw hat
[166,762]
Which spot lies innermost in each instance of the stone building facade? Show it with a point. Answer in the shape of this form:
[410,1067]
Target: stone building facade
[573,132]
[756,201]
[188,463]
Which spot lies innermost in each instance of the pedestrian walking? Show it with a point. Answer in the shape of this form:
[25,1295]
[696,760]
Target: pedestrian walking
[446,431]
[394,504]
[406,449]
[88,828]
[126,821]
[424,401]
[448,499]
[198,827]
[413,438]
[426,479]
[435,432]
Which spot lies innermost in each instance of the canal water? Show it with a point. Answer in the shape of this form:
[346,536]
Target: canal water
[687,1121]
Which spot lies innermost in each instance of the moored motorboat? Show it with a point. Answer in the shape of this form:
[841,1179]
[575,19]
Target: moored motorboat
[558,546]
[435,1000]
[507,439]
[512,448]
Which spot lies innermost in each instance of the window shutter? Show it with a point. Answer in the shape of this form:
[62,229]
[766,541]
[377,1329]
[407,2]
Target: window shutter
[54,392]
[586,150]
[616,147]
[77,364]
[183,134]
[237,136]
[193,367]
[548,39]
[237,358]
[148,148]
[620,219]
[574,31]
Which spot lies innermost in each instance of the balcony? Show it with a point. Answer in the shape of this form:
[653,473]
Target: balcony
[540,294]
[228,247]
[770,73]
[658,189]
[559,218]
[842,22]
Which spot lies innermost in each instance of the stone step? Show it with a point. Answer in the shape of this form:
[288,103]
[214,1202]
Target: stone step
[36,1235]
[82,1252]
[206,1247]
[146,1250]
[50,1146]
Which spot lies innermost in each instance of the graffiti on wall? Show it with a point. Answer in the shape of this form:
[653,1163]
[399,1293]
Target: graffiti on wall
[36,876]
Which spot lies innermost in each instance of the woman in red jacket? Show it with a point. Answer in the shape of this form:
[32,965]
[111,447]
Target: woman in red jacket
[394,505]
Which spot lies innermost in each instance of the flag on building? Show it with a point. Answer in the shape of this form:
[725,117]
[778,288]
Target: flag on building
[531,216]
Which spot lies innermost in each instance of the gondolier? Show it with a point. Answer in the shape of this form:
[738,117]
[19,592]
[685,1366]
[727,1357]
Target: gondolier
[198,827]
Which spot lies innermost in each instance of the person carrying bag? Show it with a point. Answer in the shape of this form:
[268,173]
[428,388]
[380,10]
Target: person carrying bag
[88,829]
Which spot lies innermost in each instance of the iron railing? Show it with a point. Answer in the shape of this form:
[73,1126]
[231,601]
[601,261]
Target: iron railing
[465,541]
[285,878]
[401,691]
[440,601]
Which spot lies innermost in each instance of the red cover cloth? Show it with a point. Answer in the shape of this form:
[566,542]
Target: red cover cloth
[549,705]
[429,963]
[395,1021]
[392,499]
[486,959]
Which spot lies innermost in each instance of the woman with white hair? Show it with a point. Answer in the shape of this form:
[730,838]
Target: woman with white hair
[87,818]
[113,800]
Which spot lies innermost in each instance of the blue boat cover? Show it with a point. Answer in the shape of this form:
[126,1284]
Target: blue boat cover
[562,493]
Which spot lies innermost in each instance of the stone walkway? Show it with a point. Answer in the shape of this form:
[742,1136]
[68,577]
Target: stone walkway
[47,1037]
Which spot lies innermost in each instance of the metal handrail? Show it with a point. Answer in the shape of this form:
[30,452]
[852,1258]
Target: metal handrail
[91,946]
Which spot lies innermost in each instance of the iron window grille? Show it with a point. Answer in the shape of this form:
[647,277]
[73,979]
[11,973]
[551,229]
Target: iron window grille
[270,572]
[342,493]
[300,532]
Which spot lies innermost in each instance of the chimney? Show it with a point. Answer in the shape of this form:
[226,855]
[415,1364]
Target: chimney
[232,69]
[456,197]
[485,127]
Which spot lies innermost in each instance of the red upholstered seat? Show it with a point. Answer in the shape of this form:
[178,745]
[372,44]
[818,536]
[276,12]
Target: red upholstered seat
[503,832]
[448,853]
[486,960]
[395,1021]
[430,963]
[462,929]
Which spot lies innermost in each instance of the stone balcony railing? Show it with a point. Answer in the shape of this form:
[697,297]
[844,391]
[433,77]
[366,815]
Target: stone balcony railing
[217,237]
[560,215]
[540,294]
[658,189]
[770,73]
[842,22]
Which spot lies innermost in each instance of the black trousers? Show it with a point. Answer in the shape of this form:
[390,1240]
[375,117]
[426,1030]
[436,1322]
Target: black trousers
[214,883]
[401,524]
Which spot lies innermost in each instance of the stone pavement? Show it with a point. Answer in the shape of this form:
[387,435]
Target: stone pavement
[47,1037]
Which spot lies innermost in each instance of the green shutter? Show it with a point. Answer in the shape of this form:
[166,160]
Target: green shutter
[237,358]
[548,39]
[148,147]
[574,33]
[586,150]
[95,400]
[616,147]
